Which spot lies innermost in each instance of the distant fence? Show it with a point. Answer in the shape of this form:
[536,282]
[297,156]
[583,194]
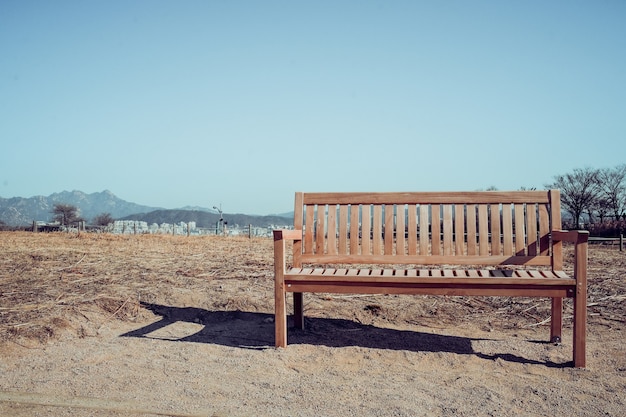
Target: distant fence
[609,241]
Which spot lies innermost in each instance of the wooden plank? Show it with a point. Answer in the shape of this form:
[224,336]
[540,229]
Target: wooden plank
[424,229]
[555,224]
[412,229]
[531,229]
[280,303]
[448,273]
[507,229]
[436,229]
[449,197]
[354,229]
[298,217]
[483,230]
[447,230]
[520,229]
[343,229]
[471,229]
[366,219]
[331,230]
[455,290]
[319,229]
[444,277]
[309,231]
[496,229]
[580,301]
[389,229]
[426,259]
[544,230]
[377,229]
[400,229]
[459,229]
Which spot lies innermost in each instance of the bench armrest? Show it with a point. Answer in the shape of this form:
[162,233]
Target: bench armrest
[579,238]
[281,236]
[572,236]
[285,234]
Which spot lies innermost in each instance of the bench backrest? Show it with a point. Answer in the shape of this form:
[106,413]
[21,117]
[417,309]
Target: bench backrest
[428,228]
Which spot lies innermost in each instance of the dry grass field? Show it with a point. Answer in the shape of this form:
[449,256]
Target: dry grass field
[106,325]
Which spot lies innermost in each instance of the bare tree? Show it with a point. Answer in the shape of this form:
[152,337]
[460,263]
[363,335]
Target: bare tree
[612,185]
[103,219]
[579,191]
[66,214]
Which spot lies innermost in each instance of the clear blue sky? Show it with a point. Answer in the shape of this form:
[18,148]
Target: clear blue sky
[241,103]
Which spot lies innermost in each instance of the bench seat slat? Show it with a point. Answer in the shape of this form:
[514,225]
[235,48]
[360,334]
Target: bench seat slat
[494,276]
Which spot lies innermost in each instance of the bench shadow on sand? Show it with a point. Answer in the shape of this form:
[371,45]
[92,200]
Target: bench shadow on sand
[254,330]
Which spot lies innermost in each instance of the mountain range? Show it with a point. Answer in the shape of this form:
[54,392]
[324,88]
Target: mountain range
[20,211]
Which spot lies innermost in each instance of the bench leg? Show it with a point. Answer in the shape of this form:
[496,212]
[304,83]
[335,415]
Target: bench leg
[280,310]
[298,311]
[280,318]
[556,322]
[580,328]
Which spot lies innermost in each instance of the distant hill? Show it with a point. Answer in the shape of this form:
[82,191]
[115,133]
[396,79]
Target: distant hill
[207,219]
[19,211]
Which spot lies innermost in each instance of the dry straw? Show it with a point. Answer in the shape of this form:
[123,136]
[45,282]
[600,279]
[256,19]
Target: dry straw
[57,282]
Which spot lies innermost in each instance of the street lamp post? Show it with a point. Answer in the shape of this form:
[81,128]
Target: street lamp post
[220,223]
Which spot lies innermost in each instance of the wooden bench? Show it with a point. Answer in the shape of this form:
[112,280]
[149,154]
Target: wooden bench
[487,243]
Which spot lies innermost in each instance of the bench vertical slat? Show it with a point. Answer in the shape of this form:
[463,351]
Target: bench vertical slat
[389,229]
[400,230]
[319,229]
[309,231]
[483,230]
[436,229]
[354,229]
[531,229]
[298,222]
[555,216]
[412,229]
[520,230]
[459,229]
[507,230]
[447,229]
[471,229]
[343,229]
[496,229]
[424,226]
[365,229]
[331,233]
[377,229]
[544,230]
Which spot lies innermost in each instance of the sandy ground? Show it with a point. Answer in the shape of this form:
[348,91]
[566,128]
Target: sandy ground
[177,326]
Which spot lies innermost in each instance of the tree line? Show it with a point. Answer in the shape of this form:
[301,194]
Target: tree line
[595,199]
